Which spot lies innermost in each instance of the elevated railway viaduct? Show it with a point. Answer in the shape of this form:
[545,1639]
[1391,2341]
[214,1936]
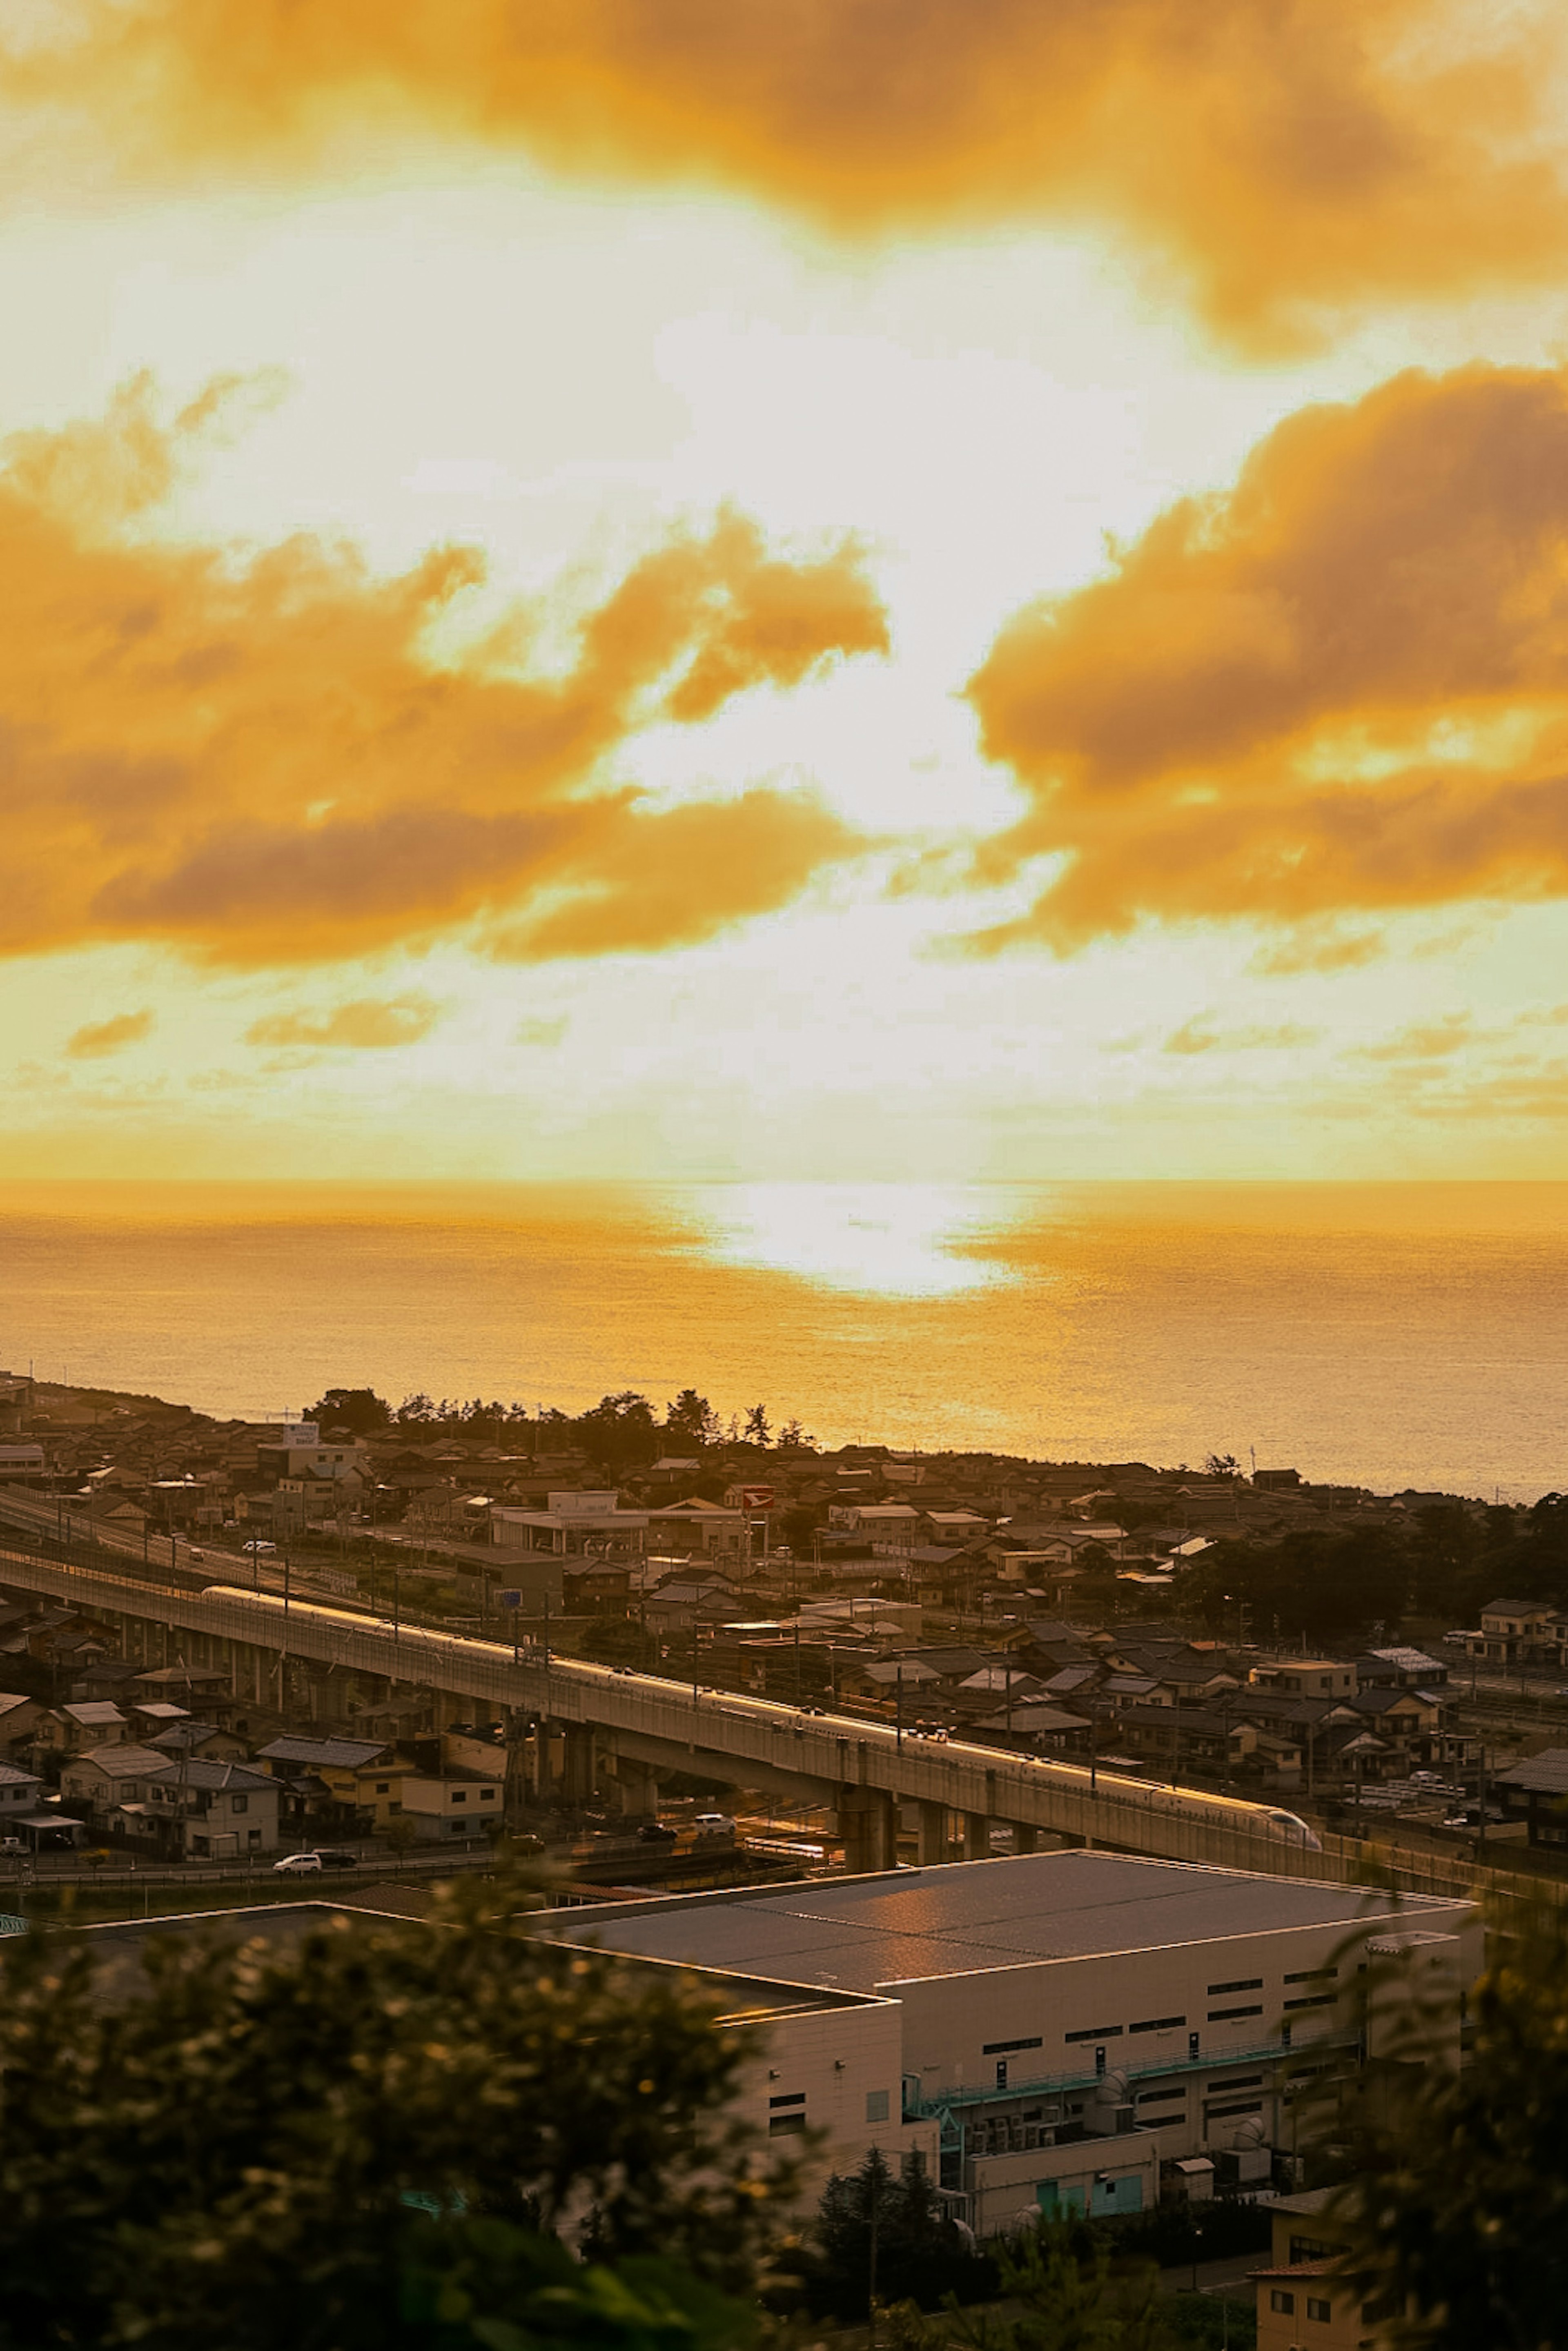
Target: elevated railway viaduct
[595,1725]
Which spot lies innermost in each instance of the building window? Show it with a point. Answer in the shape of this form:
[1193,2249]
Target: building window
[1318,2308]
[1307,2249]
[1006,2048]
[876,2106]
[384,1787]
[239,1803]
[1228,2015]
[781,2126]
[1158,2025]
[789,2099]
[1095,2033]
[1242,1983]
[1311,1975]
[1281,2300]
[460,1795]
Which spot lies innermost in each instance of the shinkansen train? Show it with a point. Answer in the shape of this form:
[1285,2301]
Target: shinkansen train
[404,1642]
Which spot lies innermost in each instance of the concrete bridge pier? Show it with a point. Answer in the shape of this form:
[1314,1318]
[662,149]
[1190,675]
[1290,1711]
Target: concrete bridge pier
[1025,1839]
[976,1837]
[577,1765]
[868,1824]
[932,1835]
[636,1791]
[544,1773]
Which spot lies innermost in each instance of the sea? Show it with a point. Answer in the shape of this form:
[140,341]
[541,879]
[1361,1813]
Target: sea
[1397,1336]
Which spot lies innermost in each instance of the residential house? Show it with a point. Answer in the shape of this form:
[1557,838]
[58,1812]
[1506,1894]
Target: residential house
[1515,1633]
[891,1528]
[1400,1668]
[1035,1729]
[697,1526]
[202,1810]
[19,1719]
[444,1804]
[1306,1677]
[1302,2299]
[1536,1792]
[88,1722]
[105,1778]
[340,1782]
[19,1792]
[205,1739]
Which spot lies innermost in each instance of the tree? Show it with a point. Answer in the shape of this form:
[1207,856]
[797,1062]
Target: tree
[401,1833]
[1066,2296]
[876,2228]
[691,1420]
[333,2148]
[1221,1465]
[620,1431]
[757,1431]
[793,1438]
[359,1410]
[1458,2219]
[620,1641]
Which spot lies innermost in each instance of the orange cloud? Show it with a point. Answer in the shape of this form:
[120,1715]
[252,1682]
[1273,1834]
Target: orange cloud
[1281,158]
[101,1038]
[368,1022]
[263,763]
[1198,1035]
[1339,688]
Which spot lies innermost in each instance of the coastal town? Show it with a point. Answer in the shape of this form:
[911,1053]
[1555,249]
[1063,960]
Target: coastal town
[1113,1612]
[1248,1748]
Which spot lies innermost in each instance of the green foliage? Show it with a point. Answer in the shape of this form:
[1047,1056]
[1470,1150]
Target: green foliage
[691,1420]
[916,2247]
[482,2282]
[1315,1585]
[1170,2234]
[620,1432]
[359,1410]
[1461,2210]
[223,2153]
[1064,2301]
[620,1641]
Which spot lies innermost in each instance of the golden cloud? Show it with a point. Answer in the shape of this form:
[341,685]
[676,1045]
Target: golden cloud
[263,763]
[1281,158]
[101,1038]
[1341,688]
[1198,1035]
[366,1023]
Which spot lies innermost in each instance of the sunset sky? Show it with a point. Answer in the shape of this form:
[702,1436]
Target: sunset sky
[876,588]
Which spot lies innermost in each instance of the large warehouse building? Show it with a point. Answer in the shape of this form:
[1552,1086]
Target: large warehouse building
[1049,2031]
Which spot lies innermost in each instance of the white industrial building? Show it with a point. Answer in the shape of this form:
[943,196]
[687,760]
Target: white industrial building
[1049,2031]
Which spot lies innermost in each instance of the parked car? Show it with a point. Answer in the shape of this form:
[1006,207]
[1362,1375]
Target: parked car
[11,1845]
[714,1824]
[655,1833]
[331,1860]
[299,1865]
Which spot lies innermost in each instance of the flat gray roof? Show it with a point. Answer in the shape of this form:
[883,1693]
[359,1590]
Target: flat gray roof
[861,1934]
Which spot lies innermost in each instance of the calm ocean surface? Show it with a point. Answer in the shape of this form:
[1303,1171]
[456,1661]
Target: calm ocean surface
[1394,1335]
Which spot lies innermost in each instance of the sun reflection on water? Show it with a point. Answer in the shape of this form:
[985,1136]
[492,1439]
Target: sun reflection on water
[889,1240]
